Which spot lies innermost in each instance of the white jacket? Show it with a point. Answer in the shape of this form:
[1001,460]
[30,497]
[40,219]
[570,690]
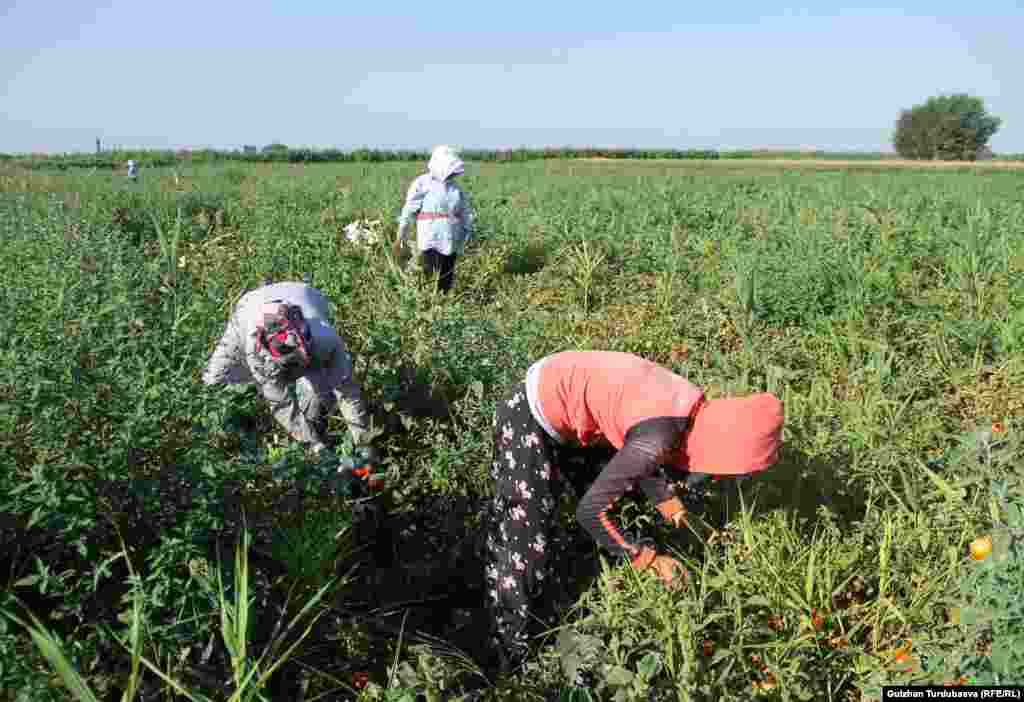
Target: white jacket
[444,217]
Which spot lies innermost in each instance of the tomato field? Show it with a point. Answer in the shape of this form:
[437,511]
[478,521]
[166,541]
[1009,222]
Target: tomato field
[171,543]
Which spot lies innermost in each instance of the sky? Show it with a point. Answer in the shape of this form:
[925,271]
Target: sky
[320,73]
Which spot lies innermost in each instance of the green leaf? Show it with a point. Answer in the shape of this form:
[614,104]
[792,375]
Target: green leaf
[968,616]
[649,665]
[951,494]
[407,675]
[28,581]
[1001,546]
[758,601]
[720,656]
[37,515]
[712,618]
[1001,659]
[717,582]
[617,676]
[910,490]
[802,693]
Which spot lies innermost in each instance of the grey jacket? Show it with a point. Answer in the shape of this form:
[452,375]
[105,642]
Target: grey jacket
[291,391]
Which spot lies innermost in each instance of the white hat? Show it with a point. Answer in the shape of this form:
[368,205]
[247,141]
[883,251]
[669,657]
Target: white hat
[445,162]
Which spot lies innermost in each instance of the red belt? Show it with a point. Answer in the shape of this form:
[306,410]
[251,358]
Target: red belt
[435,215]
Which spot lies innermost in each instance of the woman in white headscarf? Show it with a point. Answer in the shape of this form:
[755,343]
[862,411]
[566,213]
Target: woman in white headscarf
[444,218]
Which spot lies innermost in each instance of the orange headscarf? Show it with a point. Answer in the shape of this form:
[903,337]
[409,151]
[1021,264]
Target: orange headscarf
[735,435]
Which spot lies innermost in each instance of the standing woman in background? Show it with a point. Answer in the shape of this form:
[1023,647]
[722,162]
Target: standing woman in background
[444,218]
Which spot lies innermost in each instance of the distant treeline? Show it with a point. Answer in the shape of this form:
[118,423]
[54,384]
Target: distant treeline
[277,153]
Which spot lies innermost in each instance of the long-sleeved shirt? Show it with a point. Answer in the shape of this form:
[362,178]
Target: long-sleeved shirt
[237,360]
[590,398]
[443,214]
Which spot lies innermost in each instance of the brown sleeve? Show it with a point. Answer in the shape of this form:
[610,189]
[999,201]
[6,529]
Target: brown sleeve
[647,444]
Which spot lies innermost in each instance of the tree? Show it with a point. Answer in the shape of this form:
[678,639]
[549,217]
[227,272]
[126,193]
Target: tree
[949,127]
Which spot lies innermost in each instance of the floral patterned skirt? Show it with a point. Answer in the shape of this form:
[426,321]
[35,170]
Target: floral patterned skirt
[528,546]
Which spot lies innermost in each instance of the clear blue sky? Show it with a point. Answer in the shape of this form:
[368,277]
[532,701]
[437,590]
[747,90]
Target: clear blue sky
[222,73]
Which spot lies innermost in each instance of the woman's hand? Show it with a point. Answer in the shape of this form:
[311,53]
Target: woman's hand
[670,571]
[679,520]
[674,512]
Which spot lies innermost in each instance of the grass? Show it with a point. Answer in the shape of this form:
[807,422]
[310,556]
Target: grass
[249,676]
[882,304]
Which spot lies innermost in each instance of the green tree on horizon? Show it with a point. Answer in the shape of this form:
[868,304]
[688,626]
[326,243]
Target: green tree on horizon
[948,127]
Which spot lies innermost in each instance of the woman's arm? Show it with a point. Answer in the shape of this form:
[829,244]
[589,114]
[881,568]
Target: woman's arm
[413,203]
[465,217]
[226,358]
[647,444]
[346,389]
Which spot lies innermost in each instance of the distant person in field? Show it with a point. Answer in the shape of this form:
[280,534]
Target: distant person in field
[131,169]
[444,218]
[280,337]
[573,407]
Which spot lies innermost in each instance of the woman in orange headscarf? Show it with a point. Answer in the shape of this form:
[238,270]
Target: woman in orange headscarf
[650,417]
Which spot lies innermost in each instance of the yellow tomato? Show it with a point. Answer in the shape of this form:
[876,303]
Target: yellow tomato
[981,547]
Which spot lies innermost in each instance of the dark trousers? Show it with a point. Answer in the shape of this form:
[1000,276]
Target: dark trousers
[435,263]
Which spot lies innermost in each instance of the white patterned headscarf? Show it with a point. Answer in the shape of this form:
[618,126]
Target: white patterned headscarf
[445,163]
